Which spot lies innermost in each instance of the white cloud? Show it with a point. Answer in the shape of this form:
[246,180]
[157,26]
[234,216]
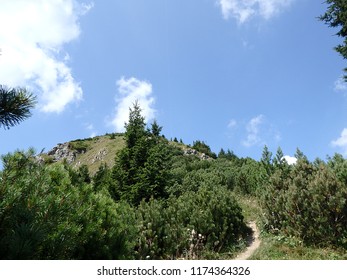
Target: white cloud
[341,142]
[253,130]
[32,37]
[129,91]
[243,10]
[290,160]
[340,85]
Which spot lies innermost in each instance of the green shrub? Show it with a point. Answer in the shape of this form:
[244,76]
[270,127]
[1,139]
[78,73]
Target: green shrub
[309,203]
[80,146]
[190,226]
[47,213]
[215,215]
[202,147]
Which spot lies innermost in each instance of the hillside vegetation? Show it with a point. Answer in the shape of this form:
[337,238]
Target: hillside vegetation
[90,152]
[139,196]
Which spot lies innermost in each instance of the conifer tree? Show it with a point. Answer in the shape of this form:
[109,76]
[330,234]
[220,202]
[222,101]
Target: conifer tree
[135,128]
[221,153]
[266,160]
[156,129]
[141,168]
[300,156]
[279,158]
[336,16]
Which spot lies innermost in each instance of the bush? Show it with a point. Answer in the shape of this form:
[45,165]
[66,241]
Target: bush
[46,214]
[215,215]
[249,177]
[190,226]
[202,147]
[309,203]
[81,146]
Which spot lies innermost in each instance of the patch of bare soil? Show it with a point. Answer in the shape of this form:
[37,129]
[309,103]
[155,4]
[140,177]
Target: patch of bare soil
[253,242]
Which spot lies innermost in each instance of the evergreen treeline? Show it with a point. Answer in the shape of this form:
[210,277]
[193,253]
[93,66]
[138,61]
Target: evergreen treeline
[156,203]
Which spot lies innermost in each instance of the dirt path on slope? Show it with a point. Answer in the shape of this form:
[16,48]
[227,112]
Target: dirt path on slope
[253,242]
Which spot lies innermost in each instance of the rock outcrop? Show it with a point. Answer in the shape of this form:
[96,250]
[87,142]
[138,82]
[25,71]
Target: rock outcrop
[61,152]
[190,151]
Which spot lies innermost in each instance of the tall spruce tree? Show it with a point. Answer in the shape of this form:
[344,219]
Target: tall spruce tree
[266,161]
[156,129]
[142,167]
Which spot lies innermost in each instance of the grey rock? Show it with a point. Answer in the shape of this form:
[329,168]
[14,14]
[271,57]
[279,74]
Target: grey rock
[190,151]
[61,152]
[100,155]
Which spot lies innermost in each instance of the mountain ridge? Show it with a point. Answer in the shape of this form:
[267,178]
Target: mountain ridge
[97,150]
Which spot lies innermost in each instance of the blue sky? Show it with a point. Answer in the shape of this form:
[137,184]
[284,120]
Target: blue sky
[236,74]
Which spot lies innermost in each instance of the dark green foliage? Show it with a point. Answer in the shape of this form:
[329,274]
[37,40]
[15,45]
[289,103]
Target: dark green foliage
[114,135]
[279,160]
[308,202]
[109,230]
[188,173]
[202,147]
[221,153]
[102,178]
[300,156]
[229,155]
[152,223]
[156,129]
[142,171]
[266,161]
[80,146]
[189,226]
[336,16]
[46,213]
[339,166]
[245,176]
[142,168]
[15,105]
[135,129]
[83,174]
[250,177]
[214,213]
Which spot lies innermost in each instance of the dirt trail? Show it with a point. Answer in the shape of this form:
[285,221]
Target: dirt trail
[253,243]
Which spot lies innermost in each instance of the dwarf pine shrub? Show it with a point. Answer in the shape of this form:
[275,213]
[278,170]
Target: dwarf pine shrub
[310,203]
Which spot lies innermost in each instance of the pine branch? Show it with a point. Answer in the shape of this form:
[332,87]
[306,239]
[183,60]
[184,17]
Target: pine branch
[15,105]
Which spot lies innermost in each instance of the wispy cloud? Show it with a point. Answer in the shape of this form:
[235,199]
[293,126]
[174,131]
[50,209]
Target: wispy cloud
[232,123]
[341,142]
[253,130]
[130,90]
[340,85]
[32,37]
[259,132]
[243,10]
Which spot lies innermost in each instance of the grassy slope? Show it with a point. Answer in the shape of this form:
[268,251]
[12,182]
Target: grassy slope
[100,149]
[94,151]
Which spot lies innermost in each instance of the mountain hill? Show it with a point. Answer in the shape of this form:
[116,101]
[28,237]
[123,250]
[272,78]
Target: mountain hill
[100,149]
